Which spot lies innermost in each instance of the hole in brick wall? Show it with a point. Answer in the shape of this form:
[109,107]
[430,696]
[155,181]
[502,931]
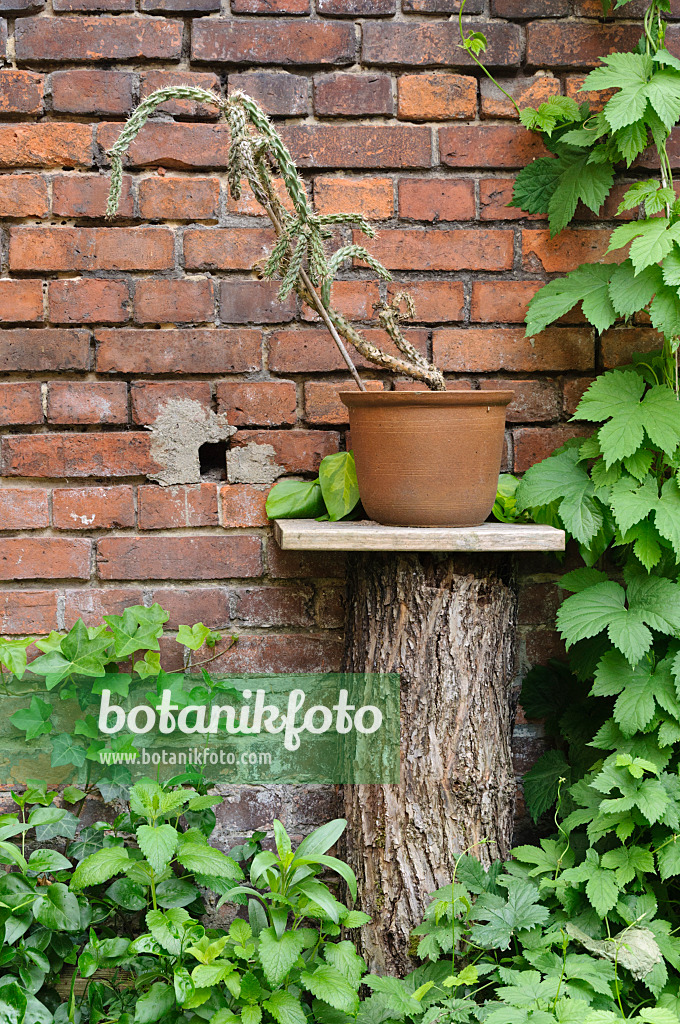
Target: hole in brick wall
[213,460]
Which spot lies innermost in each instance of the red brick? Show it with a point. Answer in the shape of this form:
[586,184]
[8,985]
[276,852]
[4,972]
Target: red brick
[180,6]
[243,505]
[20,402]
[494,196]
[194,351]
[160,508]
[78,455]
[482,349]
[436,301]
[440,7]
[179,198]
[182,558]
[371,197]
[88,300]
[97,38]
[288,565]
[258,403]
[364,146]
[92,508]
[595,97]
[273,653]
[450,249]
[297,451]
[44,350]
[270,6]
[243,302]
[428,44]
[148,397]
[576,44]
[93,6]
[567,250]
[274,606]
[219,40]
[247,205]
[435,199]
[534,400]
[21,6]
[354,299]
[619,344]
[502,301]
[185,605]
[48,144]
[23,195]
[542,645]
[436,97]
[92,605]
[313,351]
[526,92]
[330,606]
[323,406]
[486,145]
[226,248]
[356,8]
[87,402]
[176,301]
[150,81]
[574,389]
[27,611]
[532,444]
[340,94]
[21,301]
[21,92]
[86,195]
[529,8]
[83,91]
[278,93]
[62,248]
[41,558]
[23,508]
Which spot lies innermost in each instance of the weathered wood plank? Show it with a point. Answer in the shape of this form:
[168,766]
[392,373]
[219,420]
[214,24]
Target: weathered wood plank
[309,535]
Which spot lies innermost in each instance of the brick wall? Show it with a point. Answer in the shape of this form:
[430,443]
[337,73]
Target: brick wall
[101,325]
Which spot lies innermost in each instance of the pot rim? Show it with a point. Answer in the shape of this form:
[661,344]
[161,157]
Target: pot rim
[436,398]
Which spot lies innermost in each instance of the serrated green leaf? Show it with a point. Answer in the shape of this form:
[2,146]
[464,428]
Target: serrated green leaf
[277,955]
[158,844]
[630,292]
[588,284]
[100,866]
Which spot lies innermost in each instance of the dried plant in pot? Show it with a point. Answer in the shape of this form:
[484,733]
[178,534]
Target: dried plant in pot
[423,458]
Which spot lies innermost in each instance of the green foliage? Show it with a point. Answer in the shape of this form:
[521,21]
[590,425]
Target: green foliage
[334,495]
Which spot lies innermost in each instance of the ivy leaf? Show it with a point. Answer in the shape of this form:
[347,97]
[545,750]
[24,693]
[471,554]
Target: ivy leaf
[194,636]
[277,955]
[78,655]
[66,751]
[295,499]
[35,719]
[157,843]
[339,487]
[13,654]
[588,284]
[630,292]
[133,632]
[504,917]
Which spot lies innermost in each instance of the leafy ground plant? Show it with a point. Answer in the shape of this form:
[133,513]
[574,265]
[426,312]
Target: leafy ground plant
[334,495]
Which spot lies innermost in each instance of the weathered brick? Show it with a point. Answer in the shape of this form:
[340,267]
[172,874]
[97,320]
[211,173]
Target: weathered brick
[87,402]
[179,6]
[243,505]
[532,444]
[567,250]
[595,97]
[176,301]
[20,7]
[330,606]
[272,41]
[534,400]
[93,508]
[356,8]
[149,397]
[243,302]
[65,248]
[323,406]
[20,301]
[428,44]
[372,197]
[447,249]
[84,91]
[179,198]
[92,605]
[278,92]
[435,301]
[288,565]
[88,300]
[20,402]
[161,508]
[209,605]
[150,81]
[494,196]
[194,351]
[21,92]
[341,94]
[504,301]
[297,451]
[40,558]
[483,349]
[171,144]
[573,44]
[182,558]
[436,97]
[270,6]
[97,38]
[78,455]
[525,9]
[362,145]
[526,92]
[48,144]
[619,344]
[274,606]
[23,508]
[276,653]
[27,611]
[226,248]
[23,195]
[573,390]
[435,199]
[257,403]
[247,205]
[440,6]
[485,145]
[86,195]
[93,6]
[44,350]
[314,351]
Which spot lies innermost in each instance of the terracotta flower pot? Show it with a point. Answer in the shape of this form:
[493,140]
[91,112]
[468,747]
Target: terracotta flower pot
[427,458]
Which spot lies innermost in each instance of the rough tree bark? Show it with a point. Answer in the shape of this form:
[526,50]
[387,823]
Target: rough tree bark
[446,624]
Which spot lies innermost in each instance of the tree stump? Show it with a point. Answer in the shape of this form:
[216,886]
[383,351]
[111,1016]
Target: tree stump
[446,624]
